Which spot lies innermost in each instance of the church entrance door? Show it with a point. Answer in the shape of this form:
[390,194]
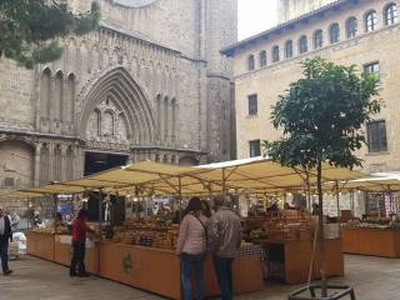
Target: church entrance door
[100,161]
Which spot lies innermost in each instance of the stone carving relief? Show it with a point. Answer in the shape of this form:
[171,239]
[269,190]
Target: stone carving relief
[107,124]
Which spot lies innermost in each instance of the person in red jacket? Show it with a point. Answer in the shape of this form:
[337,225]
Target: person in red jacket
[79,230]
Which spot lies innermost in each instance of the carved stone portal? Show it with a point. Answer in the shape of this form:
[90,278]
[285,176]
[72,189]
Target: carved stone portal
[107,124]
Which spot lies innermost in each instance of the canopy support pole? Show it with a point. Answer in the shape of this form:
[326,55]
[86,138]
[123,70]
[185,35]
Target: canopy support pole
[180,197]
[55,199]
[338,200]
[223,184]
[101,212]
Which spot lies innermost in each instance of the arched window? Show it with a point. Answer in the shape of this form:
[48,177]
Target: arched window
[45,91]
[334,33]
[351,27]
[70,98]
[371,21]
[391,14]
[303,44]
[250,63]
[58,99]
[275,54]
[173,118]
[263,58]
[318,39]
[107,124]
[289,49]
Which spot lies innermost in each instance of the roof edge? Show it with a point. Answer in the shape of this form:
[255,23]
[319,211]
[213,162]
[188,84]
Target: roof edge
[230,50]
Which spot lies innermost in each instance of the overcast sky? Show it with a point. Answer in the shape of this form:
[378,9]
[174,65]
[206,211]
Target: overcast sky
[256,16]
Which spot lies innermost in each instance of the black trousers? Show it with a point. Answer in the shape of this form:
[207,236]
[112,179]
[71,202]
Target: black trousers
[78,259]
[4,253]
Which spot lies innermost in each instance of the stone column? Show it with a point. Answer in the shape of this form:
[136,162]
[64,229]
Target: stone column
[36,176]
[79,162]
[64,162]
[51,161]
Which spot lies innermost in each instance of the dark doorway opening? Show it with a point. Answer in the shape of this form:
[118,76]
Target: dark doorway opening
[98,161]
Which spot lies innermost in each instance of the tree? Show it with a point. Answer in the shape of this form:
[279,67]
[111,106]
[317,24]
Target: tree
[30,29]
[322,115]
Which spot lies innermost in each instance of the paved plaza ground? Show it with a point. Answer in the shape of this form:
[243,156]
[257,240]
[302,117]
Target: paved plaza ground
[34,279]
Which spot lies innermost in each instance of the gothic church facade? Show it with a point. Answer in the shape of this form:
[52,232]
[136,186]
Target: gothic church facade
[150,84]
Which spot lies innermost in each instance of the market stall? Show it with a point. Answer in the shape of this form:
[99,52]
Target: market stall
[144,256]
[63,253]
[287,238]
[41,244]
[377,238]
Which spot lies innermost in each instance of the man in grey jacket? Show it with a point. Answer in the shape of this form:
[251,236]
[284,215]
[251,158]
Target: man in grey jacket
[226,235]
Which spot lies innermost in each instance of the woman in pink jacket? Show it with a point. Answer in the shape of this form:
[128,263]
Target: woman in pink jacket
[191,248]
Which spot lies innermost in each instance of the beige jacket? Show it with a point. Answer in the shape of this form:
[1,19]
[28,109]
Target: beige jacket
[226,232]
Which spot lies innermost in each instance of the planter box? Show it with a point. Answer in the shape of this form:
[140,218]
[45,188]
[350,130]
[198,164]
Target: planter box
[309,293]
[376,242]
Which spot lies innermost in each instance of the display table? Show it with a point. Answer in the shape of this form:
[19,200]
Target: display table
[41,245]
[289,260]
[63,253]
[155,270]
[376,242]
[158,271]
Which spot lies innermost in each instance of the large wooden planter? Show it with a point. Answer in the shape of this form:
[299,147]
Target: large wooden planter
[376,242]
[41,245]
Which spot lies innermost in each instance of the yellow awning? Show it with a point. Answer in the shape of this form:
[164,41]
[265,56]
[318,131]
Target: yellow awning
[149,178]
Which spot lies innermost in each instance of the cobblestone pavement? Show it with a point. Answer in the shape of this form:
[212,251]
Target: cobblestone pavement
[33,279]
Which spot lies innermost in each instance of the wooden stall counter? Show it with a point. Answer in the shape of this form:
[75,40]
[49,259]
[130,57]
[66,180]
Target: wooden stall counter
[376,242]
[41,245]
[63,253]
[247,272]
[150,269]
[158,270]
[289,260]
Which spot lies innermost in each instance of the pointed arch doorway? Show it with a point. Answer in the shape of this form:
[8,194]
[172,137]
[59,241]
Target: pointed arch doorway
[116,115]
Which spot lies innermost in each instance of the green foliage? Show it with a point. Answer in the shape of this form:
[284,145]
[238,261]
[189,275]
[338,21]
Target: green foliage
[322,114]
[30,29]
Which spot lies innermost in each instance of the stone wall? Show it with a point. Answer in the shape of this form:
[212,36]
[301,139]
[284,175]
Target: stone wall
[149,84]
[271,81]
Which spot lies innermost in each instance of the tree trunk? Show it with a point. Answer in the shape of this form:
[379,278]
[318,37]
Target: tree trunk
[321,231]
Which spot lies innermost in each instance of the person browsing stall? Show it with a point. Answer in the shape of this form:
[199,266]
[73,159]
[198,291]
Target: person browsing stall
[79,230]
[191,248]
[226,233]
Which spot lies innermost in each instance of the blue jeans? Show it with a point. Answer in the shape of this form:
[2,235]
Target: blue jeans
[223,268]
[192,263]
[4,253]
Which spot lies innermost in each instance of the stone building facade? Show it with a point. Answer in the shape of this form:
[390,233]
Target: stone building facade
[364,33]
[149,84]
